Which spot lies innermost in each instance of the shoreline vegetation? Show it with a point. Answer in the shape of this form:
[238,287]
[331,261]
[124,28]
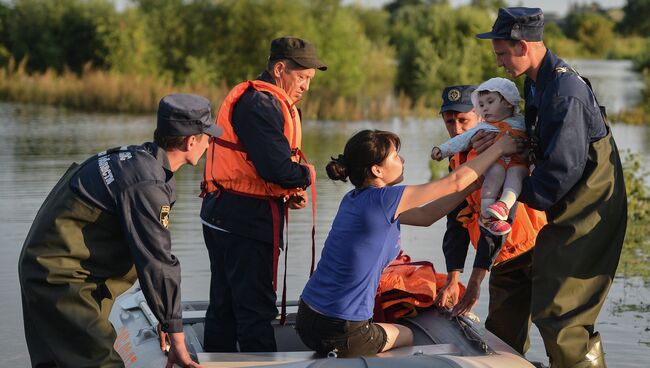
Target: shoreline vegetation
[635,256]
[383,62]
[107,92]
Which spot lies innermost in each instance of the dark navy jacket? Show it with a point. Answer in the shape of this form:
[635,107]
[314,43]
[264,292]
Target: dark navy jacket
[258,121]
[568,119]
[137,186]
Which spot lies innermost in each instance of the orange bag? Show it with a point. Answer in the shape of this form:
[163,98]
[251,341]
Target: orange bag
[405,286]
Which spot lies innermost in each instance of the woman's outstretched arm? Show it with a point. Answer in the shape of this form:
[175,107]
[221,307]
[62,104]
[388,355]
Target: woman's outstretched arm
[458,180]
[434,211]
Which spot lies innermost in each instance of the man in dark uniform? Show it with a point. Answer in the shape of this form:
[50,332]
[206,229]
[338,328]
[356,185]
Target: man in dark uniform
[577,179]
[510,279]
[242,224]
[104,225]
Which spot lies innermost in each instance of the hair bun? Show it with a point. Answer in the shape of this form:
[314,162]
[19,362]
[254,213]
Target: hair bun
[337,169]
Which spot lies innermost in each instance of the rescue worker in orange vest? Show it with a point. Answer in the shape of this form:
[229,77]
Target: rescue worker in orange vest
[253,175]
[509,258]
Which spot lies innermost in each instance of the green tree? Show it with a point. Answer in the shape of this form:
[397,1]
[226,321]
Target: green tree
[177,30]
[5,13]
[58,34]
[635,19]
[489,4]
[436,46]
[131,49]
[594,31]
[374,22]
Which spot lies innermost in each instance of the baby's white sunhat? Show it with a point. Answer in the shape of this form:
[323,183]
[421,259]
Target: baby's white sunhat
[505,87]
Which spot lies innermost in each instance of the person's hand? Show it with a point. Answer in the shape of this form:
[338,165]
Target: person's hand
[447,296]
[178,352]
[436,154]
[298,201]
[510,145]
[468,301]
[164,340]
[482,140]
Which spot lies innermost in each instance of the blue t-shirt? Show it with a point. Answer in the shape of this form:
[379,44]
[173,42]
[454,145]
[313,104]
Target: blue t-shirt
[364,239]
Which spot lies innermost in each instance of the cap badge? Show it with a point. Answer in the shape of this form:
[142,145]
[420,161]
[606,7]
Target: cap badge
[453,95]
[164,216]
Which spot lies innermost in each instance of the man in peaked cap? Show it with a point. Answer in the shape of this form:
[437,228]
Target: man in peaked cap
[510,270]
[577,179]
[253,174]
[104,225]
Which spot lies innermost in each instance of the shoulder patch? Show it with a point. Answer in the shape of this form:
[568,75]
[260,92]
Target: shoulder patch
[164,216]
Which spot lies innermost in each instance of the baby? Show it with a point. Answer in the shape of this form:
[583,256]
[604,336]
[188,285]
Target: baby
[497,103]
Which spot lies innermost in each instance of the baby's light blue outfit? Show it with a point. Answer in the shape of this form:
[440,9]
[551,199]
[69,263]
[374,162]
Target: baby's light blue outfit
[462,142]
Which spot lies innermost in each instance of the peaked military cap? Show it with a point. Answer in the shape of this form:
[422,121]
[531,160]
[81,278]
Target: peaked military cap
[300,51]
[457,98]
[184,114]
[517,23]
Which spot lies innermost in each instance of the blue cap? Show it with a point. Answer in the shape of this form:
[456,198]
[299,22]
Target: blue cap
[517,23]
[457,98]
[185,114]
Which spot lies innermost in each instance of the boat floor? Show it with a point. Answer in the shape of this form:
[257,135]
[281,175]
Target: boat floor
[438,342]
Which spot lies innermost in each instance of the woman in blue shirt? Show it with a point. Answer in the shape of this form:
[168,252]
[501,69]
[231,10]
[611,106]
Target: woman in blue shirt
[336,305]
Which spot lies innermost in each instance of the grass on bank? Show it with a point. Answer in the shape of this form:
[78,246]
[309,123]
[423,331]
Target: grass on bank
[635,257]
[103,91]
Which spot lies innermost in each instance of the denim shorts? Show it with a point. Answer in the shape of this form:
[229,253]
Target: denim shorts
[345,338]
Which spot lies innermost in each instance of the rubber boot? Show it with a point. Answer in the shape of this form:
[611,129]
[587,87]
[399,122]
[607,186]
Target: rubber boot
[595,357]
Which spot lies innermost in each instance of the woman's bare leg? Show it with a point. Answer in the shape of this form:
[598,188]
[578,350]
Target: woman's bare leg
[397,335]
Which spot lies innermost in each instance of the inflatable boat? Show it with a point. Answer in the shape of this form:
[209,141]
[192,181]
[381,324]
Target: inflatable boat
[439,341]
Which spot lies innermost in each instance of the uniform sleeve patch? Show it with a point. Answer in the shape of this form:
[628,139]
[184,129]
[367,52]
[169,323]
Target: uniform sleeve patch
[164,216]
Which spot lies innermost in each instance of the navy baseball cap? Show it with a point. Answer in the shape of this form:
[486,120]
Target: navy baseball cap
[517,23]
[457,98]
[184,114]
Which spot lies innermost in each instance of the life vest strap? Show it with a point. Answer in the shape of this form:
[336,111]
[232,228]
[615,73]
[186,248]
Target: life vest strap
[312,177]
[230,145]
[283,307]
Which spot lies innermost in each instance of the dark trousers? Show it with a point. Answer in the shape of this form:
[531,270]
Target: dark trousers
[509,314]
[345,338]
[242,299]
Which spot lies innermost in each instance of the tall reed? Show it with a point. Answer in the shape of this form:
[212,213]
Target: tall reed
[105,91]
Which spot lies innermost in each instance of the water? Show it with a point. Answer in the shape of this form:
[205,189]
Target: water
[615,84]
[40,143]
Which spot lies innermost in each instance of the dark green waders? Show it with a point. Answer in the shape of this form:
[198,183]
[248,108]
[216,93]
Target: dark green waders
[73,265]
[509,307]
[575,259]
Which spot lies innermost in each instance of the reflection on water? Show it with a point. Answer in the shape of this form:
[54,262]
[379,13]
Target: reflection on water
[39,143]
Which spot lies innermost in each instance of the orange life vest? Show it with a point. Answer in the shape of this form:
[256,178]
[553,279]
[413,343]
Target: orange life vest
[405,286]
[227,166]
[527,223]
